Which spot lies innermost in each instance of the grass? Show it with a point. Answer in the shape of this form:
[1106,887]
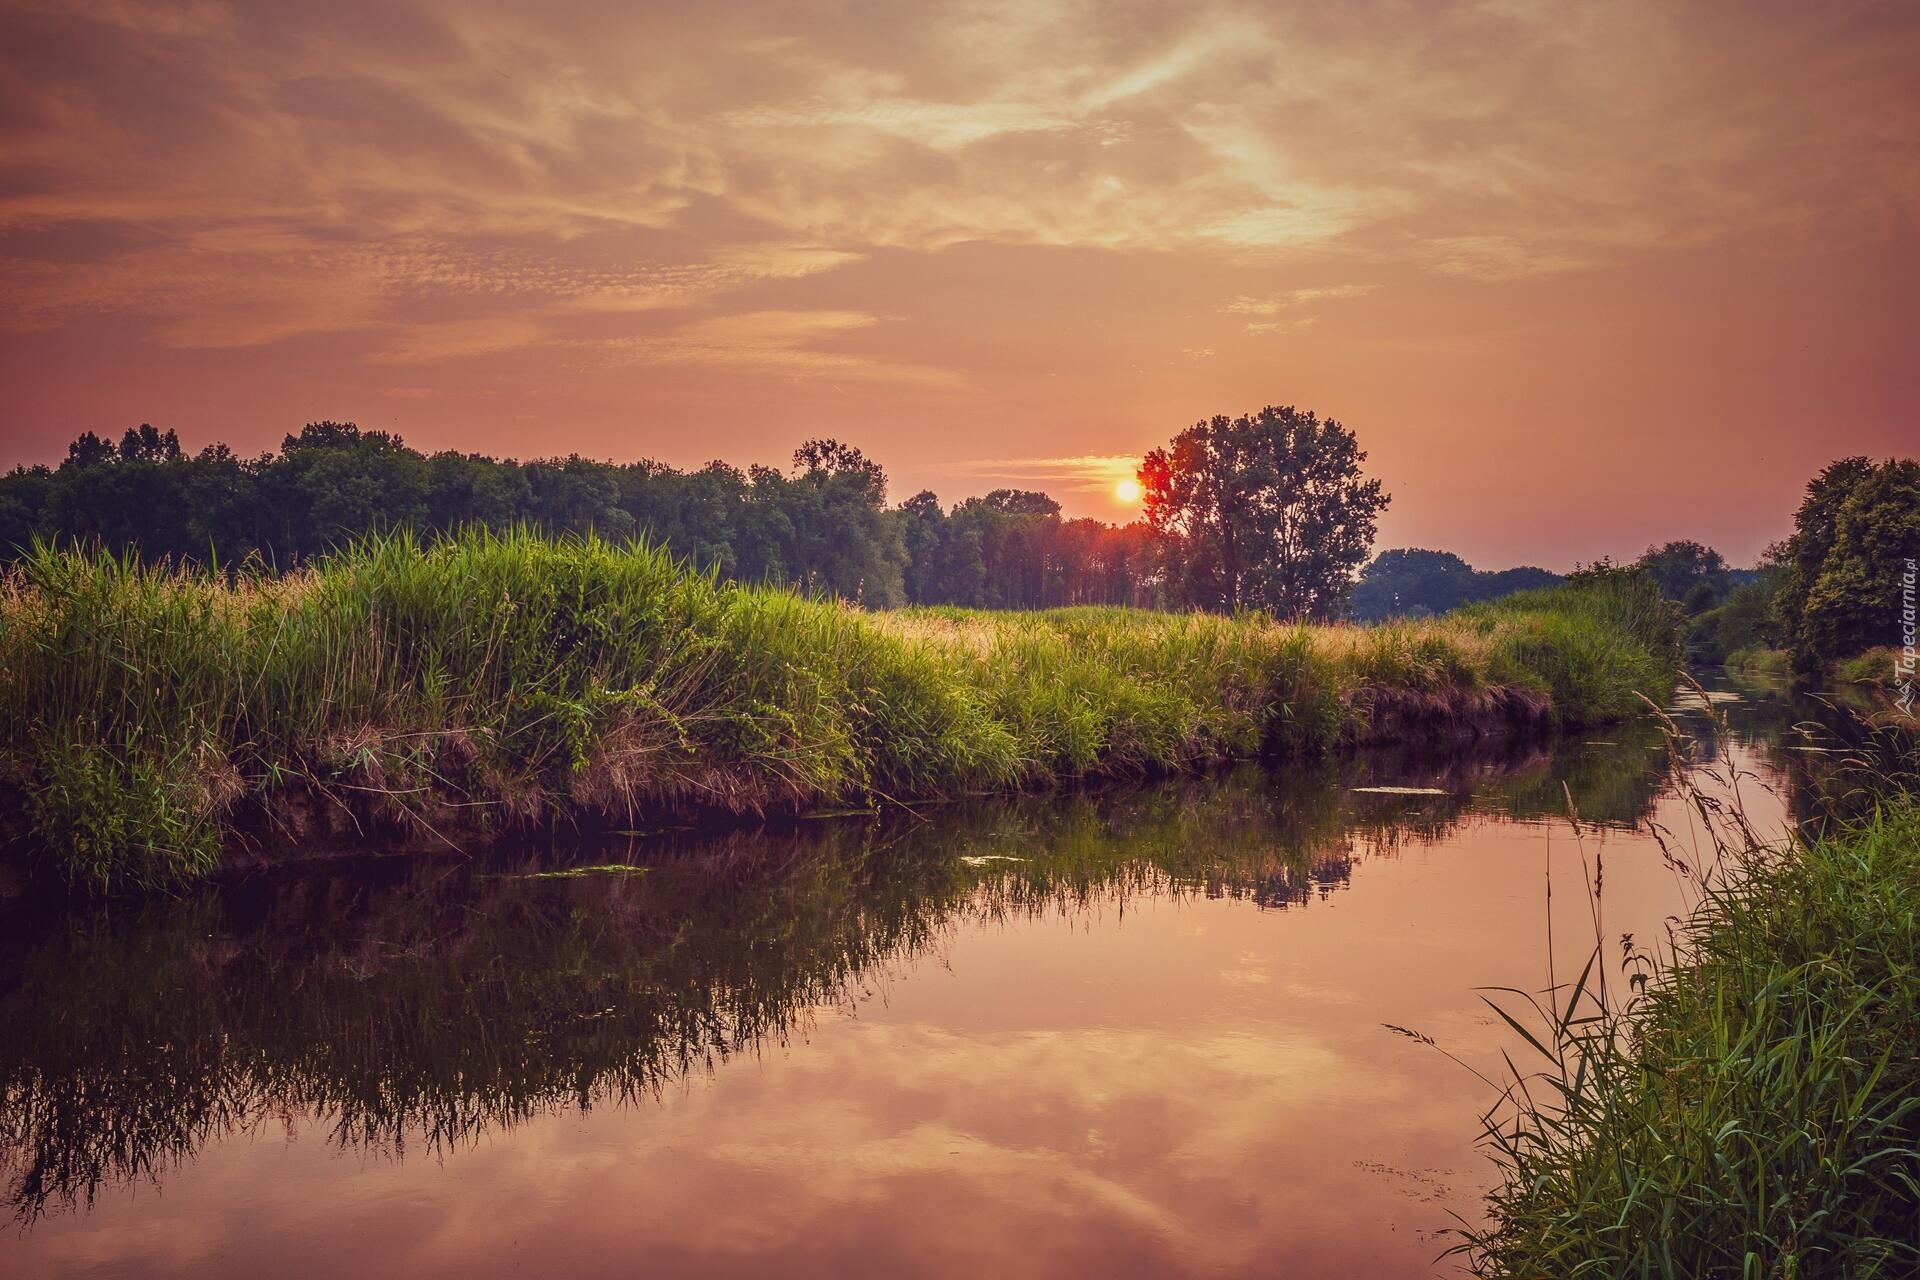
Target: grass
[149,714]
[1756,663]
[1751,1107]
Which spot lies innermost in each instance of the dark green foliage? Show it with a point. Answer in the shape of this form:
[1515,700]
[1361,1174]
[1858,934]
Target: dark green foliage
[1746,622]
[1267,511]
[824,527]
[1414,583]
[1687,571]
[1011,550]
[1853,535]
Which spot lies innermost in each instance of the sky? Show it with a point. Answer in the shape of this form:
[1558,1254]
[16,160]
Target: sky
[1580,277]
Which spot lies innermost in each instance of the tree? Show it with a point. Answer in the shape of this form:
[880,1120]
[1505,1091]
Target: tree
[1020,502]
[1805,551]
[923,528]
[334,482]
[1412,582]
[147,444]
[1690,572]
[1837,593]
[1746,620]
[89,450]
[1854,602]
[1416,583]
[576,495]
[824,526]
[845,539]
[23,505]
[1267,510]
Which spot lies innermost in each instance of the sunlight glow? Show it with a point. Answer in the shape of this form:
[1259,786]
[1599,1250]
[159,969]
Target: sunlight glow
[1127,490]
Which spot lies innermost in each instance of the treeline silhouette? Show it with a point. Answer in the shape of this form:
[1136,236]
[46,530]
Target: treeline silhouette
[824,525]
[1412,582]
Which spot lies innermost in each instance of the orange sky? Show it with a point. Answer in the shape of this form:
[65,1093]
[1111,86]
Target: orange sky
[1580,276]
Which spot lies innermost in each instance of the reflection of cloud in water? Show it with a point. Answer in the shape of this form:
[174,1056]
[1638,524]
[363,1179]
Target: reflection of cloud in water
[862,1044]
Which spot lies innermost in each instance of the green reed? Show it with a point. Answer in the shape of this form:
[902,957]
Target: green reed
[148,714]
[1749,1106]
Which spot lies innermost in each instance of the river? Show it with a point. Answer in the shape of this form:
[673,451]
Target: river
[1141,1030]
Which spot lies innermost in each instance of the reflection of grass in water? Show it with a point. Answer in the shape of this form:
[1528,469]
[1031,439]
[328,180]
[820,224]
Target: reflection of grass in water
[1839,761]
[416,1005]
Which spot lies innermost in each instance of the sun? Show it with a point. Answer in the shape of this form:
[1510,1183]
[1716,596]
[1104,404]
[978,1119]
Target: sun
[1127,490]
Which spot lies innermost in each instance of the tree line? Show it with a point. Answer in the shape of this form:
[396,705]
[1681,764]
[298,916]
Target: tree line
[1828,592]
[1267,510]
[823,525]
[1412,582]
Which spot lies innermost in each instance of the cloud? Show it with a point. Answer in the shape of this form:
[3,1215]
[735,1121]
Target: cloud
[1276,307]
[1506,257]
[1295,325]
[455,339]
[240,174]
[1246,306]
[1082,473]
[790,343]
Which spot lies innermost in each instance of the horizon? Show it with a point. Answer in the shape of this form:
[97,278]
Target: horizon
[1581,283]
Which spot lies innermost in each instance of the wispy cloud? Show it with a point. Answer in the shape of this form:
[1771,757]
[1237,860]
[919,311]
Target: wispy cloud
[1081,473]
[795,344]
[1246,306]
[1281,312]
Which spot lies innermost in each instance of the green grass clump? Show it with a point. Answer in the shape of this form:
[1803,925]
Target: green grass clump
[1591,645]
[1756,1113]
[494,679]
[1761,664]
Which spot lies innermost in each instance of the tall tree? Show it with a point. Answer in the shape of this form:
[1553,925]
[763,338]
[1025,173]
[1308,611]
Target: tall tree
[846,540]
[1805,552]
[1835,582]
[1267,510]
[1854,602]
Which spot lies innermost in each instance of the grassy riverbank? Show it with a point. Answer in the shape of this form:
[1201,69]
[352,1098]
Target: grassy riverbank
[1757,1112]
[147,715]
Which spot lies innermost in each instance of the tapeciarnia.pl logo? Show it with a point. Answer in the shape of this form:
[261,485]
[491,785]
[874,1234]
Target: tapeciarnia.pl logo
[1903,665]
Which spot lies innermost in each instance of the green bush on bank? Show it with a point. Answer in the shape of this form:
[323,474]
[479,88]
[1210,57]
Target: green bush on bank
[488,679]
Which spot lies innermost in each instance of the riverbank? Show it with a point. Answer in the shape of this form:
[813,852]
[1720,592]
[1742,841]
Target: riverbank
[1757,1112]
[1867,686]
[151,717]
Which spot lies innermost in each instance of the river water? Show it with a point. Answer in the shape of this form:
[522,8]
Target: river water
[1143,1030]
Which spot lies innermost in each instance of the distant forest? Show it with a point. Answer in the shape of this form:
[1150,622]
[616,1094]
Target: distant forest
[824,525]
[1415,583]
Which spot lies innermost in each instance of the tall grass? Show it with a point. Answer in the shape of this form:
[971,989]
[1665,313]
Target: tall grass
[1750,1106]
[147,714]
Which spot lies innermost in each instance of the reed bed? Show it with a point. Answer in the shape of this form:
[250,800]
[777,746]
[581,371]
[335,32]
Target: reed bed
[1746,1105]
[149,715]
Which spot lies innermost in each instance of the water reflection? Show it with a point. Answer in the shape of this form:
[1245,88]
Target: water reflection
[408,1012]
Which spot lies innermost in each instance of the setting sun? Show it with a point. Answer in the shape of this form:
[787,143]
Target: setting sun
[1127,490]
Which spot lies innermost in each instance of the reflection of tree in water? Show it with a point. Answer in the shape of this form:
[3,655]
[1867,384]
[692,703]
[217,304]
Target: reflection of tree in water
[408,1004]
[1833,755]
